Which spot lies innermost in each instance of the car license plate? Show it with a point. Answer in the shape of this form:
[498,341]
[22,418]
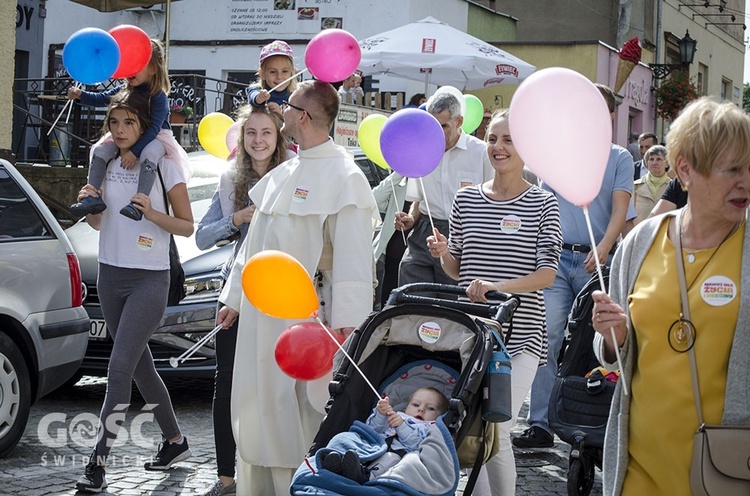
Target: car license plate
[97,329]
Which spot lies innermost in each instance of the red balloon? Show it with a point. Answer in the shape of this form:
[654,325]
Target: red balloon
[135,50]
[305,351]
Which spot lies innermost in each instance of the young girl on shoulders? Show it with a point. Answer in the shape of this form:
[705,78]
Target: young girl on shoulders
[276,65]
[156,142]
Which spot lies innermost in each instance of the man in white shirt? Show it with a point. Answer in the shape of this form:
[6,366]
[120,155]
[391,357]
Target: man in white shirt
[465,163]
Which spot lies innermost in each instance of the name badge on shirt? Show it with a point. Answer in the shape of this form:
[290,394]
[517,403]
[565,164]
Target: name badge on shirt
[300,194]
[145,241]
[510,224]
[465,184]
[718,291]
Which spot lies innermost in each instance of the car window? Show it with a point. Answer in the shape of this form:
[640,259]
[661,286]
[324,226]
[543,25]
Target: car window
[372,171]
[18,216]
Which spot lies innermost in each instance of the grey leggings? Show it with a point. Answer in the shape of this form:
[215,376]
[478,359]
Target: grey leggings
[133,302]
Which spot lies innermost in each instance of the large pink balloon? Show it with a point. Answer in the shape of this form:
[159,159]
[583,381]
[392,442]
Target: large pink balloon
[412,142]
[562,129]
[332,55]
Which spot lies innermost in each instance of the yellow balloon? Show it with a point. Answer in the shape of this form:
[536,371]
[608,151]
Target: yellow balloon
[278,285]
[369,138]
[212,132]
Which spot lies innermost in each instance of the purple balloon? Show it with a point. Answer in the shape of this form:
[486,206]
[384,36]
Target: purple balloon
[412,142]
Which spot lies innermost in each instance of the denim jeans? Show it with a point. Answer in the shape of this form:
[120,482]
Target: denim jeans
[558,300]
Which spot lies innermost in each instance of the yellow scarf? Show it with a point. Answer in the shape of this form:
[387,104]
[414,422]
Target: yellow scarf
[654,183]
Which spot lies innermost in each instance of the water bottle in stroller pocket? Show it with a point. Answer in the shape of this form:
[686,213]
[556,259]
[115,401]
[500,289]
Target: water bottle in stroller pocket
[497,398]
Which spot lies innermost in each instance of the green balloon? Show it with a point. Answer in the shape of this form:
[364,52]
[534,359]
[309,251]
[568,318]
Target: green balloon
[474,114]
[369,138]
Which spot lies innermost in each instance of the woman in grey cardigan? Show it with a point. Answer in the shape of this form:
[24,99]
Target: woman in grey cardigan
[649,438]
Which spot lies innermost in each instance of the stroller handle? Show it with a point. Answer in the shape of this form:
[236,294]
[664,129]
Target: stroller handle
[501,312]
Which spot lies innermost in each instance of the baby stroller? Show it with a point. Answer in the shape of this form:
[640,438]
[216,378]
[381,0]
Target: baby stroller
[417,341]
[579,405]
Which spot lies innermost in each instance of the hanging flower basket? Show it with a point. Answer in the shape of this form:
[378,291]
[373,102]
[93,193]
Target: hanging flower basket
[673,94]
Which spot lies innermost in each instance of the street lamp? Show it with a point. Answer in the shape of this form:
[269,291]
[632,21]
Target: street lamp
[687,53]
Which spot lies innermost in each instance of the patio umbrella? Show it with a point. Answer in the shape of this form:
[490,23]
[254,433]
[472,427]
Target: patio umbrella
[434,52]
[115,5]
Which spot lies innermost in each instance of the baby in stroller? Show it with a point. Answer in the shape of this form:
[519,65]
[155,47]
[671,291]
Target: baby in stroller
[402,431]
[415,342]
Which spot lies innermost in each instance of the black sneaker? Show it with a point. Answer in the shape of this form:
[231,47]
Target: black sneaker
[168,455]
[131,212]
[352,468]
[89,205]
[93,480]
[534,437]
[332,462]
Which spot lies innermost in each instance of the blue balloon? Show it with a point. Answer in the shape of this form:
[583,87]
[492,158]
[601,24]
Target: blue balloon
[91,55]
[412,142]
[423,106]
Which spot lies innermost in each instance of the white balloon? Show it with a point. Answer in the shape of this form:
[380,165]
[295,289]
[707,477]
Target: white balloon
[453,91]
[317,392]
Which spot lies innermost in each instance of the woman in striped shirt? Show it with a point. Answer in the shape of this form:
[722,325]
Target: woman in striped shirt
[505,236]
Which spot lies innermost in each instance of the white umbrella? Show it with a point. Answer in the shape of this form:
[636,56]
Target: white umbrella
[434,52]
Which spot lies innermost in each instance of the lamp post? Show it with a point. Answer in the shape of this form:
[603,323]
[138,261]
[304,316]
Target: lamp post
[687,53]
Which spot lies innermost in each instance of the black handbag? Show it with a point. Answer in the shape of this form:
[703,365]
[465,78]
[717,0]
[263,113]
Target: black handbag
[176,273]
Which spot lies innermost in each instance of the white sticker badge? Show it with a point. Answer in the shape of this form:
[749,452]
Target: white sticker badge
[145,241]
[718,290]
[429,332]
[300,193]
[510,224]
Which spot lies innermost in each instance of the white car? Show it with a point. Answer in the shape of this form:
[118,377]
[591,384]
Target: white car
[43,327]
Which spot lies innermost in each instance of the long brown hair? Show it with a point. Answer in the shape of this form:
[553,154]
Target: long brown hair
[132,102]
[246,176]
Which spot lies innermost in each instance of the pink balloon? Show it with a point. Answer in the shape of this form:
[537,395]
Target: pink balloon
[233,134]
[551,113]
[332,55]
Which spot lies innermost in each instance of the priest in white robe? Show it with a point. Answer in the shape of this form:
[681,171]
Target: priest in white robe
[317,207]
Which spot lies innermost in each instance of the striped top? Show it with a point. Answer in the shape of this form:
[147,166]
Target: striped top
[500,240]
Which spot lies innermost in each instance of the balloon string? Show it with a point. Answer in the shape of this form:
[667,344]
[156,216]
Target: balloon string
[286,81]
[341,348]
[424,197]
[69,102]
[175,362]
[604,289]
[67,117]
[395,198]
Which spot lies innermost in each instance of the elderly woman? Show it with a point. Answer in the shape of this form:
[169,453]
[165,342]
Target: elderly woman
[648,189]
[650,432]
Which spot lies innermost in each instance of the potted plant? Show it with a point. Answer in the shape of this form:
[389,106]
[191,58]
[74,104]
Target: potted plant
[178,114]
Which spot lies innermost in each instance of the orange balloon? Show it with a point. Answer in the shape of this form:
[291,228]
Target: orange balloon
[278,285]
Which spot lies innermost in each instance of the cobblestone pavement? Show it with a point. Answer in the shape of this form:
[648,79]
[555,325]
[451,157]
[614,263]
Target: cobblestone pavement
[55,448]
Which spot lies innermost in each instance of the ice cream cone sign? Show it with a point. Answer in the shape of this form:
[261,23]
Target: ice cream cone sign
[630,55]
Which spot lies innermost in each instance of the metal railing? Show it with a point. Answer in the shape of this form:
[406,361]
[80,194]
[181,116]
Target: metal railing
[38,102]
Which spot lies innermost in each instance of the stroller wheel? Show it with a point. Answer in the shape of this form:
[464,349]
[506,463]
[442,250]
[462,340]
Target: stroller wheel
[580,476]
